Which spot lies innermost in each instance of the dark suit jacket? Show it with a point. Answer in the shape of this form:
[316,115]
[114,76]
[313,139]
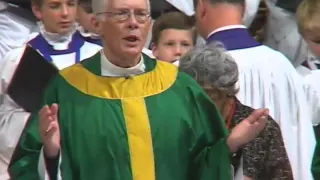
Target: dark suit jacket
[289,5]
[26,4]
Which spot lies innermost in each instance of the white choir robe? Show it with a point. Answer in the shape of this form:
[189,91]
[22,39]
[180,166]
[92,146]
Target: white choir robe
[312,90]
[12,117]
[187,7]
[15,26]
[268,80]
[282,34]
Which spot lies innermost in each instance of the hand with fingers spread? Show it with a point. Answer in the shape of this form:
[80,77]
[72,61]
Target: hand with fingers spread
[248,129]
[49,130]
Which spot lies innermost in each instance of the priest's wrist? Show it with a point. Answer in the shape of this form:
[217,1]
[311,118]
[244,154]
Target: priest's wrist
[50,152]
[232,145]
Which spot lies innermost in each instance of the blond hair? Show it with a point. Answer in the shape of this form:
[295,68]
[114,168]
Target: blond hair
[308,16]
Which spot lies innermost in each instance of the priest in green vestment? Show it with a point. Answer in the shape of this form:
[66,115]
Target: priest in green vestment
[316,162]
[120,115]
[315,168]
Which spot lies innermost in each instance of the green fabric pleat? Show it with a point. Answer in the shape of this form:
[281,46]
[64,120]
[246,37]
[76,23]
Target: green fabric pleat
[188,134]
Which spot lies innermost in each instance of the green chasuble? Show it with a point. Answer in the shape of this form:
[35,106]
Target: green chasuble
[316,161]
[158,125]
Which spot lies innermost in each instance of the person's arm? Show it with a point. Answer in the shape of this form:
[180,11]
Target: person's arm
[28,161]
[312,90]
[12,117]
[209,153]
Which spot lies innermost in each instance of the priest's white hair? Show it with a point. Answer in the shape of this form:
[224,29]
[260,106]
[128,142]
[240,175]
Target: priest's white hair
[98,7]
[211,65]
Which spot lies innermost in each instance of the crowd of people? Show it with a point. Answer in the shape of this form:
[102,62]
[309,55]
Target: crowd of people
[85,96]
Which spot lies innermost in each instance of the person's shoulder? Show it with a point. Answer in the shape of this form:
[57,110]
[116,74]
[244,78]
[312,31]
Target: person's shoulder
[186,81]
[91,46]
[15,54]
[148,52]
[276,56]
[12,58]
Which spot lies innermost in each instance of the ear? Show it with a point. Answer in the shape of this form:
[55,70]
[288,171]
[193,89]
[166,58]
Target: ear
[154,50]
[97,25]
[201,8]
[36,9]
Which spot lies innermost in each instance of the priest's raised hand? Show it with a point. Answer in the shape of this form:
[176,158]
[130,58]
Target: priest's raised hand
[49,130]
[248,129]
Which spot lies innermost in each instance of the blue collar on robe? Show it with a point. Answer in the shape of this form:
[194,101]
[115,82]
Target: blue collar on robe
[93,41]
[233,39]
[47,50]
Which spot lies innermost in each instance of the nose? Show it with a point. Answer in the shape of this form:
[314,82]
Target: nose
[178,51]
[64,10]
[132,22]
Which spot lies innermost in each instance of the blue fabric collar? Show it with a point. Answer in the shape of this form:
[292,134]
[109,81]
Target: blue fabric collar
[47,50]
[233,39]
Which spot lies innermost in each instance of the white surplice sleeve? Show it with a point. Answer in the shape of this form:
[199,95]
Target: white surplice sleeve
[43,173]
[272,82]
[12,118]
[312,90]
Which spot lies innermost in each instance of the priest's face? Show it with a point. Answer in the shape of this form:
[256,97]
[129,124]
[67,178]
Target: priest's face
[125,26]
[58,16]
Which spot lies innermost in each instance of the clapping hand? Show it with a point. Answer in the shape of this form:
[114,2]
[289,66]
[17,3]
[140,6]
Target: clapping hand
[248,129]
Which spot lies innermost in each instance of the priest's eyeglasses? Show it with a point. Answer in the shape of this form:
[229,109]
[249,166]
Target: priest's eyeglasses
[122,15]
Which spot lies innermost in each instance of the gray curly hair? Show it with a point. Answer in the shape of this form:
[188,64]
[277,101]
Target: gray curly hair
[211,65]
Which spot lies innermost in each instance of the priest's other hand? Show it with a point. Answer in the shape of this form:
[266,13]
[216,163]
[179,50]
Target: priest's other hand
[49,130]
[248,129]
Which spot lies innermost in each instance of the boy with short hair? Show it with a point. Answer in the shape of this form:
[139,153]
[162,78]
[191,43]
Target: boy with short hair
[173,35]
[308,16]
[84,18]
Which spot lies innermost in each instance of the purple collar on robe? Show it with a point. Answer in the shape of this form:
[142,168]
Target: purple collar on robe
[40,43]
[233,39]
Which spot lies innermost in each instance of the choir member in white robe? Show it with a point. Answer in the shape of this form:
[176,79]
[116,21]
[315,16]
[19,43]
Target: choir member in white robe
[84,18]
[186,6]
[62,50]
[267,79]
[16,24]
[282,33]
[312,89]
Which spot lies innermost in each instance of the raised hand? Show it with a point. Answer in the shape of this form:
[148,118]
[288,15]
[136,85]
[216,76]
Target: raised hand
[248,129]
[49,130]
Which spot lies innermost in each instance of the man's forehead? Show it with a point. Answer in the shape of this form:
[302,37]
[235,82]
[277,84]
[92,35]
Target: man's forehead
[141,4]
[57,1]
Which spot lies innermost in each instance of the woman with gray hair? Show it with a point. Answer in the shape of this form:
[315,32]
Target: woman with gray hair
[264,157]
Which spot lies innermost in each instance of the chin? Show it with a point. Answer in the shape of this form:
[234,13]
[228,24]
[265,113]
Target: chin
[132,51]
[64,30]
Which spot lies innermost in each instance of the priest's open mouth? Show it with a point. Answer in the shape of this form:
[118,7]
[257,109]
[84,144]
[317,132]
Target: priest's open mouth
[131,38]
